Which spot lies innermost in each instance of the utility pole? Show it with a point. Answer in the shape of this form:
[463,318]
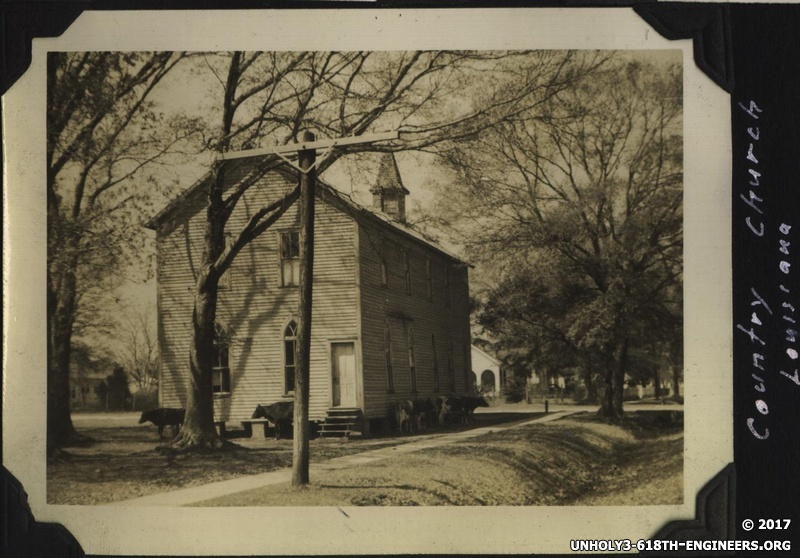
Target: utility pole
[308,179]
[307,154]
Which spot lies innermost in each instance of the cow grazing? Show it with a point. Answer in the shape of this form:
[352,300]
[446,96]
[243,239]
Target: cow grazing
[441,409]
[469,404]
[404,415]
[280,414]
[424,411]
[163,417]
[460,408]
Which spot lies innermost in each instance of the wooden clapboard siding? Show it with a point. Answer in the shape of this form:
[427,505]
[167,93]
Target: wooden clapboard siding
[255,309]
[378,303]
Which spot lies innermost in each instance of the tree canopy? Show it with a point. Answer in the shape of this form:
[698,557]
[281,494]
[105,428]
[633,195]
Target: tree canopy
[578,208]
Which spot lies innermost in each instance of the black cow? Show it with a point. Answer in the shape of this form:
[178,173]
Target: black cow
[163,417]
[281,414]
[424,411]
[469,403]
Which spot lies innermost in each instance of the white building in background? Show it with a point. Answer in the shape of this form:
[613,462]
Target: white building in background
[487,374]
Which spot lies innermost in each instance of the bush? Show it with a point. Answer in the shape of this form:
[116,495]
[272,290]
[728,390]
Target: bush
[516,389]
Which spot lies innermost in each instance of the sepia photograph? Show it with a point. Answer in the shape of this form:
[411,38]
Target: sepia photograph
[293,283]
[481,307]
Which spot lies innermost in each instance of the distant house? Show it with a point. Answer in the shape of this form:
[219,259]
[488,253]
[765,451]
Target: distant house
[390,308]
[487,372]
[86,389]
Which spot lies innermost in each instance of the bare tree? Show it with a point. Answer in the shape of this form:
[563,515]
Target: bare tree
[270,98]
[102,131]
[139,349]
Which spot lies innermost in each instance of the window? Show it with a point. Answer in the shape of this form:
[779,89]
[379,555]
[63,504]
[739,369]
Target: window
[429,278]
[387,340]
[290,258]
[450,368]
[220,363]
[447,286]
[407,270]
[289,356]
[412,360]
[435,363]
[391,205]
[384,273]
[468,383]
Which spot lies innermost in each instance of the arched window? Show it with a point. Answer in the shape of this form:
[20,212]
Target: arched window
[220,363]
[387,341]
[435,363]
[289,356]
[412,359]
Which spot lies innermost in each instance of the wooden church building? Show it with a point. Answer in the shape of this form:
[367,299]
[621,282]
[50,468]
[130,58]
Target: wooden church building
[390,308]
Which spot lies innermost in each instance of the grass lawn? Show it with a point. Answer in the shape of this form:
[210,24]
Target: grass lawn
[575,461]
[123,463]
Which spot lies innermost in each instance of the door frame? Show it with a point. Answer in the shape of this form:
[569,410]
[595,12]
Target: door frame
[359,376]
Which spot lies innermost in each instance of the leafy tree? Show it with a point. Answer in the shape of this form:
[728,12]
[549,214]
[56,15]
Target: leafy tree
[584,194]
[117,391]
[271,98]
[102,131]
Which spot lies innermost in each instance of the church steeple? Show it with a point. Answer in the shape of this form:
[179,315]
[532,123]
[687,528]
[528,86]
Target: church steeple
[388,193]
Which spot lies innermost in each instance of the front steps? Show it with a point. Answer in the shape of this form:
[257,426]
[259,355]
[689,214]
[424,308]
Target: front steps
[341,422]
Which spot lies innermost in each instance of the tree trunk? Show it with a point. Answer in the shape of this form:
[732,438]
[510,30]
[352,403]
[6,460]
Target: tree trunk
[676,378]
[591,389]
[619,378]
[657,381]
[198,430]
[60,319]
[611,405]
[607,403]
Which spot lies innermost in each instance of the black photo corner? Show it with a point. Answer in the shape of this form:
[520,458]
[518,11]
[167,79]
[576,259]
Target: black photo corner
[750,51]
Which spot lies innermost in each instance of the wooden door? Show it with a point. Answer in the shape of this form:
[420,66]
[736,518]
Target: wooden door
[343,366]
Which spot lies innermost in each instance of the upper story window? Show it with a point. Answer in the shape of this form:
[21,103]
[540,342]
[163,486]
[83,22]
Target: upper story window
[290,258]
[384,273]
[429,278]
[220,361]
[289,356]
[407,270]
[447,286]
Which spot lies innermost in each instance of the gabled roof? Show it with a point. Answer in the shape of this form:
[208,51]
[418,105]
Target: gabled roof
[325,192]
[495,360]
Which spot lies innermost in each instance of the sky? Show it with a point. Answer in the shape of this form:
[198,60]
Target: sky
[193,89]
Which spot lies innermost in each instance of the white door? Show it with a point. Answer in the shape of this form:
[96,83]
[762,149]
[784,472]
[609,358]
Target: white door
[343,360]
